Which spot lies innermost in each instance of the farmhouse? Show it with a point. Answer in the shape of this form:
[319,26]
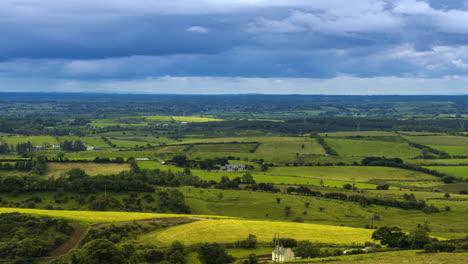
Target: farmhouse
[281,254]
[142,159]
[92,148]
[233,167]
[56,146]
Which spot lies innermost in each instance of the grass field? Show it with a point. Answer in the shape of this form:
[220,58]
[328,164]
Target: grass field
[258,205]
[58,169]
[268,177]
[226,231]
[234,148]
[359,133]
[452,150]
[129,121]
[431,162]
[351,173]
[457,171]
[367,148]
[94,217]
[35,140]
[440,140]
[393,257]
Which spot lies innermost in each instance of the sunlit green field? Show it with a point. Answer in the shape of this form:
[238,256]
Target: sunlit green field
[457,171]
[226,231]
[368,148]
[93,217]
[452,150]
[440,140]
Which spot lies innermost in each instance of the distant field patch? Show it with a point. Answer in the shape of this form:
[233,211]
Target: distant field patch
[35,140]
[225,231]
[97,217]
[367,148]
[59,169]
[351,173]
[452,150]
[359,133]
[235,148]
[248,139]
[393,257]
[456,141]
[306,146]
[457,171]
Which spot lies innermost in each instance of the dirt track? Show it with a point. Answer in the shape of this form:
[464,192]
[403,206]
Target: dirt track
[80,232]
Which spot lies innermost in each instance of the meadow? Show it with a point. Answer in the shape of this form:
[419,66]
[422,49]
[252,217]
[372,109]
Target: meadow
[352,173]
[35,140]
[457,171]
[392,257]
[231,230]
[59,169]
[443,140]
[258,205]
[358,133]
[367,148]
[227,148]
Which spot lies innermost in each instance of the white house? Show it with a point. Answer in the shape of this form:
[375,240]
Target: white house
[56,146]
[233,167]
[281,254]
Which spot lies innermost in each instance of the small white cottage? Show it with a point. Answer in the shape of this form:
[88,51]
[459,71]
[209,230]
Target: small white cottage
[281,254]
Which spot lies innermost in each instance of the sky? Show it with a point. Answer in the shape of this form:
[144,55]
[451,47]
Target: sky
[235,46]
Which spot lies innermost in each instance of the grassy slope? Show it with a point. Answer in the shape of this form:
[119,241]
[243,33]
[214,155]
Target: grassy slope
[258,205]
[94,217]
[226,231]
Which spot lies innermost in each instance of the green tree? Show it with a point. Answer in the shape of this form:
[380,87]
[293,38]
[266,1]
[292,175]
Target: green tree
[287,210]
[389,236]
[418,238]
[102,251]
[214,254]
[61,155]
[306,249]
[252,259]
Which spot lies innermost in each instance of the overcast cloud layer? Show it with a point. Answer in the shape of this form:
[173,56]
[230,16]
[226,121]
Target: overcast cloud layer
[235,46]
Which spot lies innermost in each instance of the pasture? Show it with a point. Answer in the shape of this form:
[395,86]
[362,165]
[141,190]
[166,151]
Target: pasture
[351,173]
[375,148]
[440,140]
[359,133]
[259,205]
[457,171]
[227,148]
[56,170]
[35,140]
[228,231]
[393,257]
